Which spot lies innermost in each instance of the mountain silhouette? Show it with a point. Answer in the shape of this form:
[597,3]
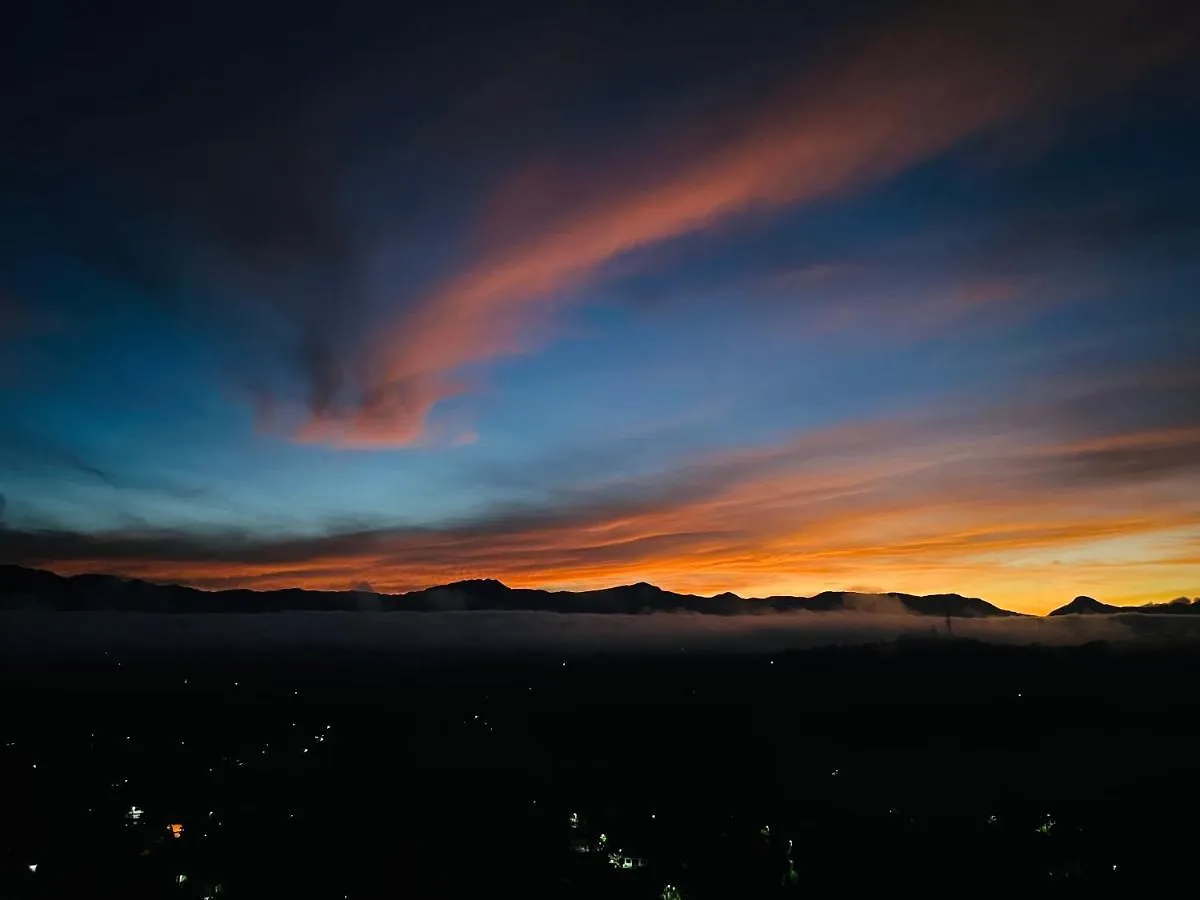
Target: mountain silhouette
[1085,606]
[1089,606]
[24,588]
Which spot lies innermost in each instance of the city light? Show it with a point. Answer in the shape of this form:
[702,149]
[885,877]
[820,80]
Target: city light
[648,853]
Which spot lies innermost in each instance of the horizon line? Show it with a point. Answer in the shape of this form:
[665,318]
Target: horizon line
[508,587]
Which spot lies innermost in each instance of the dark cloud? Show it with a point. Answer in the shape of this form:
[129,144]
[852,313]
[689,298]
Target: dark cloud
[43,546]
[252,127]
[483,538]
[1110,395]
[222,164]
[1173,455]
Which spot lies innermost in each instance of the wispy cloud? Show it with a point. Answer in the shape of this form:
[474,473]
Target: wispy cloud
[23,452]
[916,89]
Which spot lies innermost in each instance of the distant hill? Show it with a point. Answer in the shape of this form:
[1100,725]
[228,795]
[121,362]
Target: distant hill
[1085,606]
[22,588]
[1089,606]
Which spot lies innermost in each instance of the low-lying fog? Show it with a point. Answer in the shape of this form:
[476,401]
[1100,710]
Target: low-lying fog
[25,634]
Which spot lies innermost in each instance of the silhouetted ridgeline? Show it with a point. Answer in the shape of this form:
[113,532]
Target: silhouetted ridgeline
[1088,606]
[23,588]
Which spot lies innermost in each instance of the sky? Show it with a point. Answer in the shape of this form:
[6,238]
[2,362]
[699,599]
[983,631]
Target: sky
[723,297]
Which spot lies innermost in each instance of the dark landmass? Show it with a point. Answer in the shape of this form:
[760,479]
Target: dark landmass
[1085,606]
[23,588]
[923,765]
[1088,606]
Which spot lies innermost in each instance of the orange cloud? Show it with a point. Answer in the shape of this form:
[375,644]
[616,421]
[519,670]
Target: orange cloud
[915,90]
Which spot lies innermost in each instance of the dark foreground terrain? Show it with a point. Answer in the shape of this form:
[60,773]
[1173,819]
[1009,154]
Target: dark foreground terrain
[930,766]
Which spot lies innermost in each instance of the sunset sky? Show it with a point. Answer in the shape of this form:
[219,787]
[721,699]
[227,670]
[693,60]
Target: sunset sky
[716,296]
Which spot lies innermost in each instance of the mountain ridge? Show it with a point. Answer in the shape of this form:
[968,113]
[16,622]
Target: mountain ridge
[1085,606]
[1090,606]
[27,588]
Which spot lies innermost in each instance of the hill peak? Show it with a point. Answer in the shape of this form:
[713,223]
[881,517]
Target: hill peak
[643,587]
[490,584]
[1084,606]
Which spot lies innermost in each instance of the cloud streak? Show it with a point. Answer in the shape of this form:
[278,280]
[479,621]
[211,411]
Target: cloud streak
[917,88]
[1024,503]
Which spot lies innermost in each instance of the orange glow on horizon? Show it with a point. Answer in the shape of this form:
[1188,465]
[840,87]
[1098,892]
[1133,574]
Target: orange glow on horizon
[792,533]
[1026,516]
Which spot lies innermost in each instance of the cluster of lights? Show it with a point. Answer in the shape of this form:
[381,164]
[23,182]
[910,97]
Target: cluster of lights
[618,860]
[136,815]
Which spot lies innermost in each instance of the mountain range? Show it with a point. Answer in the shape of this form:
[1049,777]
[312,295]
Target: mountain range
[1089,606]
[24,588]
